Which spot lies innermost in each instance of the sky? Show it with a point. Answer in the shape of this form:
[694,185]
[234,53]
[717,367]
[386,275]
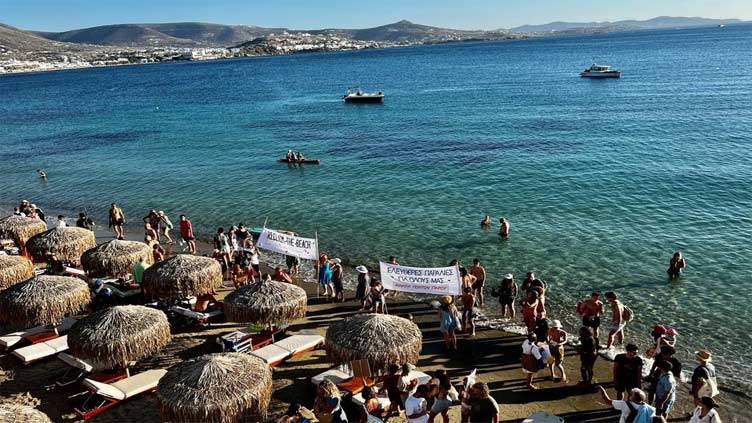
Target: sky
[61,15]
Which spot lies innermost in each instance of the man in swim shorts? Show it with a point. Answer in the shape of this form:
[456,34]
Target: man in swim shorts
[186,232]
[617,320]
[479,272]
[591,310]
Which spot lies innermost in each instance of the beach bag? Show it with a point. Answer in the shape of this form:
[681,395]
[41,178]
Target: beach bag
[627,315]
[710,388]
[529,363]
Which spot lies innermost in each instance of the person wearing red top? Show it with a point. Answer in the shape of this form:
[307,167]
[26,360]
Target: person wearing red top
[186,232]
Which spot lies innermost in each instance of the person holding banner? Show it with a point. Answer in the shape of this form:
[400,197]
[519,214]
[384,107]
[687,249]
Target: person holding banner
[448,321]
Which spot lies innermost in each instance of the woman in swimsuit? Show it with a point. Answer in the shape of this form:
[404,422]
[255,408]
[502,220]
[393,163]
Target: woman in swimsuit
[529,310]
[676,265]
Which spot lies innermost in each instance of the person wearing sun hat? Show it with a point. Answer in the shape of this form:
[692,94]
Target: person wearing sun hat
[704,377]
[557,338]
[706,412]
[364,281]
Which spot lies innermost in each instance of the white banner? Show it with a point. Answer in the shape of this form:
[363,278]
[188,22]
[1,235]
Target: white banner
[288,245]
[438,280]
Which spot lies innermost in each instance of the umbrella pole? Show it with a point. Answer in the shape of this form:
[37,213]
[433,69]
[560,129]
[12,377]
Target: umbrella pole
[318,265]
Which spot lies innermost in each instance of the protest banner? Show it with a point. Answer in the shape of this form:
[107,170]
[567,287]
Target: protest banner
[290,245]
[438,280]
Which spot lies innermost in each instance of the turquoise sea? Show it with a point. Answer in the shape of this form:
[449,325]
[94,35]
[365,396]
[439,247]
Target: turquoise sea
[602,180]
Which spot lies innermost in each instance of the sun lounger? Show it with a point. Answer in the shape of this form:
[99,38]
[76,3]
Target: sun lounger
[272,354]
[201,317]
[42,350]
[9,340]
[299,344]
[112,394]
[291,346]
[336,375]
[78,369]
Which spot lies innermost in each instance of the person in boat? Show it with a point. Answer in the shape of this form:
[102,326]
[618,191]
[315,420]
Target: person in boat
[290,156]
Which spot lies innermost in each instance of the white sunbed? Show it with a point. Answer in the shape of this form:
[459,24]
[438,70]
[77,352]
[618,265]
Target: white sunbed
[11,339]
[298,344]
[78,366]
[197,315]
[271,354]
[114,393]
[42,350]
[337,374]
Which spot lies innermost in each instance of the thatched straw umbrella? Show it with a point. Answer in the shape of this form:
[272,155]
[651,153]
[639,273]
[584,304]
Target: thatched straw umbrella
[182,275]
[14,269]
[118,335]
[20,228]
[266,302]
[68,243]
[115,258]
[380,338]
[216,388]
[43,300]
[16,413]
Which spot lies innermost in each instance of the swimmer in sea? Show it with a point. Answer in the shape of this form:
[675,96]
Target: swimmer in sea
[676,265]
[42,174]
[503,227]
[486,221]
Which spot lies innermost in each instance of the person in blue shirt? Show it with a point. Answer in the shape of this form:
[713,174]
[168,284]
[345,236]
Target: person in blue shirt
[665,391]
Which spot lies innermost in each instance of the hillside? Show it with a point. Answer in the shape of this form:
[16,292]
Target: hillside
[654,23]
[20,41]
[406,31]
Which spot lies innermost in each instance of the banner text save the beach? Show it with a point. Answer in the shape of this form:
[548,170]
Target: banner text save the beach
[289,245]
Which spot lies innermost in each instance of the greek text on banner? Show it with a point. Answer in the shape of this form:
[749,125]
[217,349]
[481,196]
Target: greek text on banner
[437,280]
[289,245]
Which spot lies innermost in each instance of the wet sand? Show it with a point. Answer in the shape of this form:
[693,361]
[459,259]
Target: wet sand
[495,354]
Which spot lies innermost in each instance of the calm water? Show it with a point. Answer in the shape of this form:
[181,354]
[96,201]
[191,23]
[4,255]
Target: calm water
[602,180]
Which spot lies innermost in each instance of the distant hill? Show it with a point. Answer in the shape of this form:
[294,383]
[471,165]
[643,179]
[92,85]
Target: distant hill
[180,34]
[655,23]
[196,34]
[19,41]
[406,31]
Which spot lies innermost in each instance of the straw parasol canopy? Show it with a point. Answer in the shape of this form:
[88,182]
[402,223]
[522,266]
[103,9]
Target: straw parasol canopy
[382,339]
[115,258]
[216,388]
[265,302]
[16,413]
[118,335]
[182,275]
[68,243]
[43,300]
[20,228]
[14,269]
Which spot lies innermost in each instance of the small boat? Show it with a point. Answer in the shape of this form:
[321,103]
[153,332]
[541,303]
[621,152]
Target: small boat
[304,161]
[600,71]
[356,95]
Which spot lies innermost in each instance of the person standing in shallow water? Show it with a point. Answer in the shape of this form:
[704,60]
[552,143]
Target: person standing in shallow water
[486,222]
[479,272]
[676,265]
[504,227]
[116,220]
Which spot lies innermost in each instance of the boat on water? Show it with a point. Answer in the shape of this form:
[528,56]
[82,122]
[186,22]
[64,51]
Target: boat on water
[356,95]
[600,71]
[294,161]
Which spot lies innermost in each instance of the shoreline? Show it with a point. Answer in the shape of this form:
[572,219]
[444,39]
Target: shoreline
[489,318]
[494,353]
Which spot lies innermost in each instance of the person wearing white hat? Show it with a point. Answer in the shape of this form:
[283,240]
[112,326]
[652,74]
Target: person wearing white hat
[364,281]
[557,338]
[338,277]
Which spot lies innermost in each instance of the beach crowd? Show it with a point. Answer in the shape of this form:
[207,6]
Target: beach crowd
[640,394]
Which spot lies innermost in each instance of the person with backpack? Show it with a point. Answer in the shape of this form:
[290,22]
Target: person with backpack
[621,315]
[704,377]
[634,410]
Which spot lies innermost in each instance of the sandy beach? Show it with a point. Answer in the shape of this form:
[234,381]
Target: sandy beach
[494,353]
